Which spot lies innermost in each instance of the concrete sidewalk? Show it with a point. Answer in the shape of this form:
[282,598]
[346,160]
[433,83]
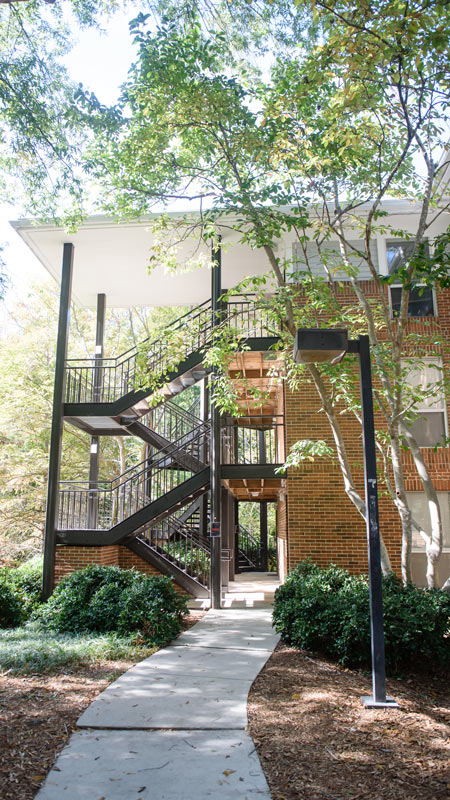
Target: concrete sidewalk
[173,726]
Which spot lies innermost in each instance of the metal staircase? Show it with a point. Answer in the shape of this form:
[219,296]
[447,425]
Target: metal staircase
[249,550]
[151,508]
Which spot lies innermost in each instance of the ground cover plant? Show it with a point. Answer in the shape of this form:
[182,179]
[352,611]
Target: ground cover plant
[32,649]
[327,610]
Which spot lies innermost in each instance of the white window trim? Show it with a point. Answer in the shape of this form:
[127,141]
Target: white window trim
[421,549]
[437,360]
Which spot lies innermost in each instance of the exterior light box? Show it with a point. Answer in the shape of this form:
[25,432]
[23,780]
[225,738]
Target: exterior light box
[316,345]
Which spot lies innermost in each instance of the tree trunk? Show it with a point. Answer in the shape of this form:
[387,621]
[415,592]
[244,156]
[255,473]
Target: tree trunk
[434,545]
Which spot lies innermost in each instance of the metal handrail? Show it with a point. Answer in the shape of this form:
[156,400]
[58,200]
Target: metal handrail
[171,421]
[135,488]
[249,546]
[107,379]
[181,545]
[258,442]
[117,376]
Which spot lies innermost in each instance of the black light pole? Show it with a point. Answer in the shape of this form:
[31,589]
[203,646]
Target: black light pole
[215,532]
[316,345]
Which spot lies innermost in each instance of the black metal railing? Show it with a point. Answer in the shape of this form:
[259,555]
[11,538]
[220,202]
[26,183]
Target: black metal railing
[251,321]
[249,546]
[181,545]
[253,440]
[104,380]
[171,421]
[140,485]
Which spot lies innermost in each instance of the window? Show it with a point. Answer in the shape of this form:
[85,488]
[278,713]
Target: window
[421,300]
[419,507]
[329,256]
[429,429]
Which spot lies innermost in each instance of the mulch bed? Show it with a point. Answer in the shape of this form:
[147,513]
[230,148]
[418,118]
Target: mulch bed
[316,740]
[39,712]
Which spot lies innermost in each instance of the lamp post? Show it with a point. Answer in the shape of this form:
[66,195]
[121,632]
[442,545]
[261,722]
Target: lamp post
[315,345]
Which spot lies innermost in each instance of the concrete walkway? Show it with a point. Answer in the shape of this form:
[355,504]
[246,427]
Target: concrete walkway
[173,726]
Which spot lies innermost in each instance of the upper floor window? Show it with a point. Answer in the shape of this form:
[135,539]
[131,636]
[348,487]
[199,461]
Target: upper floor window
[418,504]
[429,428]
[421,299]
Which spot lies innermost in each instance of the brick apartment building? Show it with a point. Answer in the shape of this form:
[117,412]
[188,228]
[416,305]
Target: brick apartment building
[155,516]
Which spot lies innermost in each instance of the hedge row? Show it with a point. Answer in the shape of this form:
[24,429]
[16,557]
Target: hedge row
[327,610]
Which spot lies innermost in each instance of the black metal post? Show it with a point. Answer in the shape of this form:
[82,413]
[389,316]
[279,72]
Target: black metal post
[225,539]
[203,500]
[95,440]
[378,698]
[236,537]
[57,422]
[264,559]
[231,534]
[215,482]
[264,565]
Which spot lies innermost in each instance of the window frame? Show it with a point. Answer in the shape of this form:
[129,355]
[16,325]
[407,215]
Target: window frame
[445,547]
[385,261]
[438,361]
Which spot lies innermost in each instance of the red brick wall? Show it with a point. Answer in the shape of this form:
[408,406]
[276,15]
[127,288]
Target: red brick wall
[282,539]
[70,559]
[323,524]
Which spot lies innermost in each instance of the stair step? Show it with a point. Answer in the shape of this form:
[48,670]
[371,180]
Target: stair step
[199,374]
[187,379]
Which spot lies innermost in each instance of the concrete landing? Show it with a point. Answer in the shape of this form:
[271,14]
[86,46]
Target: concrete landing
[247,590]
[174,725]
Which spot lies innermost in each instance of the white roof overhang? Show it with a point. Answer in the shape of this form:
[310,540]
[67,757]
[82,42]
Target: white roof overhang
[112,257]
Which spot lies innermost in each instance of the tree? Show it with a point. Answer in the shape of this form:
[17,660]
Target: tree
[27,365]
[335,129]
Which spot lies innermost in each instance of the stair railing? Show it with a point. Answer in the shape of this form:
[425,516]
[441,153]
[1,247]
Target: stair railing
[171,421]
[253,440]
[104,380]
[180,544]
[137,487]
[115,377]
[249,546]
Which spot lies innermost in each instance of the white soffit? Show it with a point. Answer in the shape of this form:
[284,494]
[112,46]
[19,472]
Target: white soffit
[112,258]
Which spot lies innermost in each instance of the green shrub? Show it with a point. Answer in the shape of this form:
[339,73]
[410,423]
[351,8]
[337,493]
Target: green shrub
[328,610]
[11,611]
[27,580]
[109,599]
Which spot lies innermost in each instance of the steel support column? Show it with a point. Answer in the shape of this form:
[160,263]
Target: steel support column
[236,537]
[216,539]
[57,421]
[203,503]
[95,440]
[263,510]
[264,561]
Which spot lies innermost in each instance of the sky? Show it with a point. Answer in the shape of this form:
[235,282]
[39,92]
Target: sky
[100,61]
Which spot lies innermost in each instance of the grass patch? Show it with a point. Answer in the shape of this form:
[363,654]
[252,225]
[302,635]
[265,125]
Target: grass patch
[32,649]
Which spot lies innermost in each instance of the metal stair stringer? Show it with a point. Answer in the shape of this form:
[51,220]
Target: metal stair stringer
[167,567]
